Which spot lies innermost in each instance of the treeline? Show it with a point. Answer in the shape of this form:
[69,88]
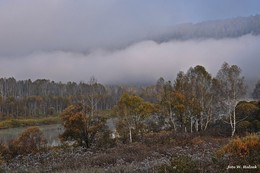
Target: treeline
[194,102]
[44,97]
[191,103]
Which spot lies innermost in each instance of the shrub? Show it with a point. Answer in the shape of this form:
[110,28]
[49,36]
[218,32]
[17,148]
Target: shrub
[243,127]
[131,152]
[182,164]
[1,160]
[104,139]
[243,150]
[197,141]
[3,153]
[79,127]
[30,140]
[162,137]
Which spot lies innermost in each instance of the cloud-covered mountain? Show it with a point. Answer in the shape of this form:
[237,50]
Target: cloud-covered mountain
[124,41]
[217,29]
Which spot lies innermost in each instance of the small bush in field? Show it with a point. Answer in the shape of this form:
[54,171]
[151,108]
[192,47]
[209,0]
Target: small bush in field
[103,160]
[104,139]
[2,153]
[30,140]
[182,164]
[245,150]
[1,160]
[163,137]
[197,141]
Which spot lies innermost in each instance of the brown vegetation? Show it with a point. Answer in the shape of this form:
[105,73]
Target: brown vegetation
[244,150]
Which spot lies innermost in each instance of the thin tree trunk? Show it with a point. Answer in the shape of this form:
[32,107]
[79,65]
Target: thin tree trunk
[191,130]
[130,135]
[197,125]
[234,123]
[172,120]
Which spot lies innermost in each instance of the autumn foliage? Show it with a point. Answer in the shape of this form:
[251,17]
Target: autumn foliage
[246,150]
[80,127]
[31,140]
[132,112]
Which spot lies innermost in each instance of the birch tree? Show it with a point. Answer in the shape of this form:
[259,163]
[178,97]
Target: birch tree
[256,92]
[232,90]
[132,111]
[200,82]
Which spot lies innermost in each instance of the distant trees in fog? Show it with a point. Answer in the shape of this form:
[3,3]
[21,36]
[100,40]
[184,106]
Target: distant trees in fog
[44,97]
[192,103]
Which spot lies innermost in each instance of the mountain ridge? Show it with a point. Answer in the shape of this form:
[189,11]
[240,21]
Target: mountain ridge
[216,29]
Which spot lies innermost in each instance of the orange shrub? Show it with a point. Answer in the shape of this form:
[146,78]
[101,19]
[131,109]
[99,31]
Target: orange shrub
[245,149]
[31,140]
[197,141]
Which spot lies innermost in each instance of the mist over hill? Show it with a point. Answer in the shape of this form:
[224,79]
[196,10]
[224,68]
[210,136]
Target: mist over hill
[72,41]
[217,29]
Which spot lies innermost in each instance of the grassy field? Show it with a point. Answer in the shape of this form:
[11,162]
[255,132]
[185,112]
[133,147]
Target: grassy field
[11,123]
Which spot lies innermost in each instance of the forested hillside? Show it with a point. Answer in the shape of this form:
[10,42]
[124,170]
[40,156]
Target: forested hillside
[218,29]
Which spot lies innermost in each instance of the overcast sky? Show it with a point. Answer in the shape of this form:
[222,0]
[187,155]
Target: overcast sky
[71,40]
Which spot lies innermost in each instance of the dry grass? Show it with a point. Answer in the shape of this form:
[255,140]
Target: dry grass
[146,156]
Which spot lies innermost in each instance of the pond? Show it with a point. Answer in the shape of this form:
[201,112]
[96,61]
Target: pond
[50,132]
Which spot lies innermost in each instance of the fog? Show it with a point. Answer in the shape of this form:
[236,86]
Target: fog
[86,25]
[143,62]
[65,40]
[81,26]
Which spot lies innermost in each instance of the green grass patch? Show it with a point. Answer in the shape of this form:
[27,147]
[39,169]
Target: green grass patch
[10,123]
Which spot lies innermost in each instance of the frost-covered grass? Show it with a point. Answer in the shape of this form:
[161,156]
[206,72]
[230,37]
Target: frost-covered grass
[135,157]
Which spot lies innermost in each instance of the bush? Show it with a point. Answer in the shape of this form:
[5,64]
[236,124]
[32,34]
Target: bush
[79,127]
[1,160]
[3,153]
[104,139]
[197,141]
[243,150]
[30,140]
[243,127]
[162,137]
[182,164]
[131,152]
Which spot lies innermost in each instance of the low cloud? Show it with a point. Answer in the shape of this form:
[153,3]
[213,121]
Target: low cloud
[143,62]
[79,26]
[85,25]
